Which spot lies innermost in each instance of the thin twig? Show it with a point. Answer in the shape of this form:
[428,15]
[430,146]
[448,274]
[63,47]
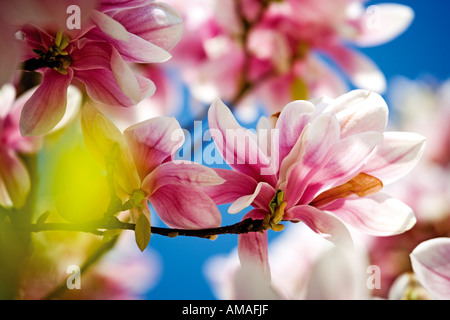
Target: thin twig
[98,227]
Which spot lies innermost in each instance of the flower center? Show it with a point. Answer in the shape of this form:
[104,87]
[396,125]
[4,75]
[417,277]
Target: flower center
[56,57]
[277,206]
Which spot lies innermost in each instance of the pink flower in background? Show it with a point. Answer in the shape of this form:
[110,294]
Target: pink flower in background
[303,266]
[431,264]
[143,170]
[272,51]
[423,106]
[95,55]
[14,178]
[319,164]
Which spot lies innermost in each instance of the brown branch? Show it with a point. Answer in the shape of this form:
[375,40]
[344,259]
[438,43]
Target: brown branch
[98,227]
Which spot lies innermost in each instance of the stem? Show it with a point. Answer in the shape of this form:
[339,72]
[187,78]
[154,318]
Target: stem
[97,227]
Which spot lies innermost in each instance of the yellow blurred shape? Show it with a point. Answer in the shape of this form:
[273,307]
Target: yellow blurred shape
[80,186]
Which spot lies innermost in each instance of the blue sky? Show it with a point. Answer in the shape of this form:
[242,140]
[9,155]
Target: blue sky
[422,50]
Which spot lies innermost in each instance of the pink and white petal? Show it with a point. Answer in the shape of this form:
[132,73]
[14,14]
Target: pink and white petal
[292,120]
[431,264]
[238,146]
[147,87]
[157,22]
[263,193]
[359,111]
[192,174]
[115,5]
[378,214]
[74,103]
[395,156]
[383,23]
[125,77]
[109,26]
[152,141]
[12,137]
[191,208]
[102,87]
[346,158]
[47,105]
[135,49]
[235,186]
[321,222]
[252,247]
[92,55]
[361,70]
[322,135]
[14,180]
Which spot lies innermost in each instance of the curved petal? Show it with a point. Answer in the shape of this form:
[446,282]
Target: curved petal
[378,214]
[157,22]
[152,141]
[330,227]
[235,186]
[322,135]
[109,148]
[192,174]
[125,77]
[191,208]
[135,49]
[292,120]
[238,146]
[263,194]
[382,23]
[431,263]
[14,180]
[345,161]
[102,87]
[109,26]
[359,111]
[395,156]
[252,247]
[47,105]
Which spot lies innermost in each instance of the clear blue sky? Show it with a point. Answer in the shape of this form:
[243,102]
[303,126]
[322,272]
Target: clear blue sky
[422,50]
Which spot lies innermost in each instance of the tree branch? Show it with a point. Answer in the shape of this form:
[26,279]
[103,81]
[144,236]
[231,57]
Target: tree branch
[98,227]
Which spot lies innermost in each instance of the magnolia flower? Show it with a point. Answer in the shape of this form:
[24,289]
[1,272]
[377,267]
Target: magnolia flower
[273,50]
[110,33]
[431,264]
[14,178]
[142,170]
[321,164]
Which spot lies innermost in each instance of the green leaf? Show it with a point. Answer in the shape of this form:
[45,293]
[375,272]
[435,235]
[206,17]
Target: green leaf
[142,232]
[42,218]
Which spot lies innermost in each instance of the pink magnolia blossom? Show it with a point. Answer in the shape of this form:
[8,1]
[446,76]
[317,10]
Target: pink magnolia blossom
[142,169]
[275,47]
[431,264]
[319,164]
[111,33]
[14,178]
